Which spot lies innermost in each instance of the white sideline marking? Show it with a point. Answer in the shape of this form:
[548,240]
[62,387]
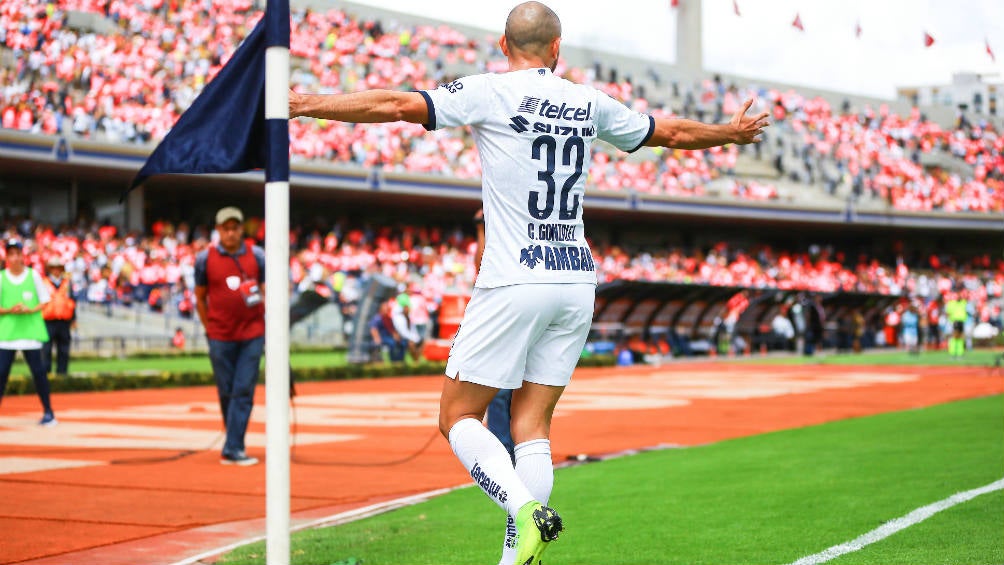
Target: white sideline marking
[380,508]
[11,465]
[333,520]
[893,526]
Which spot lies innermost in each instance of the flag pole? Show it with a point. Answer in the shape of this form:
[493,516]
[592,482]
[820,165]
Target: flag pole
[277,459]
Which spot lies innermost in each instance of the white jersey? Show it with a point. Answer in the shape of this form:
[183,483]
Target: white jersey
[533,131]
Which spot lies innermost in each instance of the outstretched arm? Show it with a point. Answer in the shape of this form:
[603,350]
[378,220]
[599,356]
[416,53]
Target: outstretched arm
[689,134]
[371,106]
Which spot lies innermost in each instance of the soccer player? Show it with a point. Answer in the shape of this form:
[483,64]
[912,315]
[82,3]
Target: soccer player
[532,304]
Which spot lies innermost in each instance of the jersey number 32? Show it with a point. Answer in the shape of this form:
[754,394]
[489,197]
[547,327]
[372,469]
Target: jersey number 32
[545,149]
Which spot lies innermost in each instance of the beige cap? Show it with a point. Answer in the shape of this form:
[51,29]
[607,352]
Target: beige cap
[54,261]
[229,213]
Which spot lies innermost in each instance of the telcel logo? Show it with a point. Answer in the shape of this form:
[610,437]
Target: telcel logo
[530,105]
[565,112]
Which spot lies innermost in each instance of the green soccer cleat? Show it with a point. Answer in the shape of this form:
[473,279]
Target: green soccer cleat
[536,527]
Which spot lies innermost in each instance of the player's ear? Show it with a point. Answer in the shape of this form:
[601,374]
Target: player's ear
[556,48]
[504,45]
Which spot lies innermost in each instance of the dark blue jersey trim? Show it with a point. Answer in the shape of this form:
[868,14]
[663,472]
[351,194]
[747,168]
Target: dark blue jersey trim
[432,111]
[648,136]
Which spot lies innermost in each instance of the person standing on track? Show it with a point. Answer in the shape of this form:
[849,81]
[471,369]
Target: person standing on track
[60,315]
[955,309]
[23,294]
[229,297]
[532,304]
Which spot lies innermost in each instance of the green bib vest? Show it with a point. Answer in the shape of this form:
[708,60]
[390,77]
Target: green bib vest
[20,326]
[956,310]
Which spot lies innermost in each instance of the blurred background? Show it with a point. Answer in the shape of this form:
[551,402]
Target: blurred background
[877,193]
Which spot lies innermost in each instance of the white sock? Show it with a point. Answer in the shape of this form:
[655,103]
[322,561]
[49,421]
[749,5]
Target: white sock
[535,469]
[488,462]
[509,542]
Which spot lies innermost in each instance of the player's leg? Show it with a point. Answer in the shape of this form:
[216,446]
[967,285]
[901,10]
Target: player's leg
[462,407]
[533,464]
[498,422]
[551,360]
[534,404]
[536,524]
[488,354]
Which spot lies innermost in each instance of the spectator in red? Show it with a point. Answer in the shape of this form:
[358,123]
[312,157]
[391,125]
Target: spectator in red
[229,289]
[178,341]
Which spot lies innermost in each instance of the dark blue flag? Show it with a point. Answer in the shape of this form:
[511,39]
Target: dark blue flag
[223,131]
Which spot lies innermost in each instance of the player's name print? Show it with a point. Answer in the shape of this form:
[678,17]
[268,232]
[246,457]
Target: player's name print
[551,232]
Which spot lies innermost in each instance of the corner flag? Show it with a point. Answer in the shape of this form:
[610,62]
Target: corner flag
[240,122]
[223,131]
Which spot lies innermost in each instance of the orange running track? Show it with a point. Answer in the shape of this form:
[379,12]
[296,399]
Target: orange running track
[134,477]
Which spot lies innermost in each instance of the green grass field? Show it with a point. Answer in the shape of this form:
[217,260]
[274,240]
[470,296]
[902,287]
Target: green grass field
[771,498]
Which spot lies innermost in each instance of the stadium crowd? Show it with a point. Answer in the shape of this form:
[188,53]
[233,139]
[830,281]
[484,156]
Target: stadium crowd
[881,153]
[156,271]
[130,85]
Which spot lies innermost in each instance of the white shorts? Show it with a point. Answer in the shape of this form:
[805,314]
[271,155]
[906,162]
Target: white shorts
[531,332]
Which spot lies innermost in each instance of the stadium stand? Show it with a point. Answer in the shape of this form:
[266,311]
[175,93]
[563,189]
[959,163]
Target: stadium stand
[119,72]
[155,273]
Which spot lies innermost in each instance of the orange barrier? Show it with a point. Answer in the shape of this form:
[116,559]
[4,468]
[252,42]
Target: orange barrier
[436,349]
[451,312]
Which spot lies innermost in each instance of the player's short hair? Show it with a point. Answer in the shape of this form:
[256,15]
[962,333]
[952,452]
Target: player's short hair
[531,26]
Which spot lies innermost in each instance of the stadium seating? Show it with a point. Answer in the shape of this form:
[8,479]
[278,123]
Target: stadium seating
[437,262]
[118,71]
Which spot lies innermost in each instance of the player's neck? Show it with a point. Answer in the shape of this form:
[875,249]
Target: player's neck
[524,63]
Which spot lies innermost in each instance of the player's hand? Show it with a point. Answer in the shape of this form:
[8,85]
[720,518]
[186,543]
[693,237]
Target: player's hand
[295,104]
[749,129]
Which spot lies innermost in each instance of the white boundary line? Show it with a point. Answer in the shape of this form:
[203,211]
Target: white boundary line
[878,534]
[380,508]
[333,520]
[893,526]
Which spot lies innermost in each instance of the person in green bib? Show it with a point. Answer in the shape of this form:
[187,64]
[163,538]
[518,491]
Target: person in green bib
[22,328]
[955,309]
